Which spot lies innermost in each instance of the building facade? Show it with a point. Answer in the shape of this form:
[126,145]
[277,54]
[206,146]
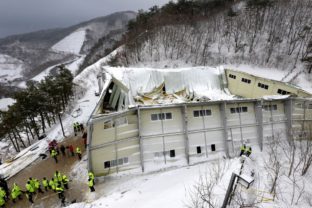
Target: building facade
[148,138]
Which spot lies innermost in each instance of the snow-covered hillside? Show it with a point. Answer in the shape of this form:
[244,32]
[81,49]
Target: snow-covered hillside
[10,68]
[71,43]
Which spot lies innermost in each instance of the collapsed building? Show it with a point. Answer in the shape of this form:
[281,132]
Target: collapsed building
[149,119]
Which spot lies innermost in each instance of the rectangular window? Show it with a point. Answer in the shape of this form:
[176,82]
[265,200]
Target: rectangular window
[125,160]
[269,107]
[310,106]
[113,163]
[154,117]
[120,161]
[264,86]
[172,153]
[239,110]
[232,76]
[108,124]
[198,149]
[107,164]
[168,116]
[198,113]
[213,147]
[161,116]
[282,92]
[246,80]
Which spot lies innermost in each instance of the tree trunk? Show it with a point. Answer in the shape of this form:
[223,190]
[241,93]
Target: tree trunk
[12,141]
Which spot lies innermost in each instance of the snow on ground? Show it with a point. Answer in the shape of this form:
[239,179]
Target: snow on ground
[5,103]
[10,68]
[74,66]
[23,159]
[71,43]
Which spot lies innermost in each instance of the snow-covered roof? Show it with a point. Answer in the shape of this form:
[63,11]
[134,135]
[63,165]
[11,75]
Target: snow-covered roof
[179,85]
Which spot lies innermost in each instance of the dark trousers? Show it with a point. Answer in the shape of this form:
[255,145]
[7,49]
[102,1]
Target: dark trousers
[30,197]
[92,188]
[62,197]
[241,153]
[66,185]
[46,188]
[40,190]
[79,156]
[55,158]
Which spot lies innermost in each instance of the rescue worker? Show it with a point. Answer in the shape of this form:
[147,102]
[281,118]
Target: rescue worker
[65,181]
[243,149]
[60,192]
[37,185]
[3,193]
[2,202]
[16,192]
[4,185]
[248,151]
[75,131]
[32,183]
[54,155]
[78,152]
[91,175]
[52,184]
[45,183]
[91,185]
[30,191]
[78,126]
[58,176]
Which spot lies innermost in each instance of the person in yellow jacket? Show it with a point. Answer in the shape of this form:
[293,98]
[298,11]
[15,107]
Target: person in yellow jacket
[91,185]
[30,191]
[37,185]
[54,155]
[45,183]
[3,193]
[243,149]
[52,184]
[78,152]
[60,192]
[2,202]
[91,175]
[58,176]
[65,181]
[16,192]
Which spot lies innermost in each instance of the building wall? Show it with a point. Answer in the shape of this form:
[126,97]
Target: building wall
[247,85]
[161,141]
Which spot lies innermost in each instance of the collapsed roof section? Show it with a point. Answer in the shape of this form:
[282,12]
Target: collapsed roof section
[144,86]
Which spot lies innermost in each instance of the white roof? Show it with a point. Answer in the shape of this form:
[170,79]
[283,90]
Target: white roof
[201,82]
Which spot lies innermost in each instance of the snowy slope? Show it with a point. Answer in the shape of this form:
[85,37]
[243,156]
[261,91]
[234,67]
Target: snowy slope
[5,102]
[10,68]
[72,43]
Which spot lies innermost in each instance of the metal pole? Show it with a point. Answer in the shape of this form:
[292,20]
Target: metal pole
[185,130]
[140,139]
[222,107]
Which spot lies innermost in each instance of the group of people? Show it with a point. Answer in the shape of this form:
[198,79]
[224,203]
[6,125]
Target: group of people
[245,150]
[55,151]
[57,184]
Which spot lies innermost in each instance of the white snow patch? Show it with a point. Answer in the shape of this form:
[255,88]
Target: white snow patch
[10,68]
[5,103]
[71,43]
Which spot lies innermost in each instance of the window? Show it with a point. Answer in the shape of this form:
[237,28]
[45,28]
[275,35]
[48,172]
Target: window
[198,113]
[172,153]
[282,92]
[310,106]
[246,80]
[107,164]
[232,76]
[213,147]
[161,116]
[113,163]
[264,86]
[108,124]
[198,149]
[239,110]
[269,107]
[168,116]
[154,117]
